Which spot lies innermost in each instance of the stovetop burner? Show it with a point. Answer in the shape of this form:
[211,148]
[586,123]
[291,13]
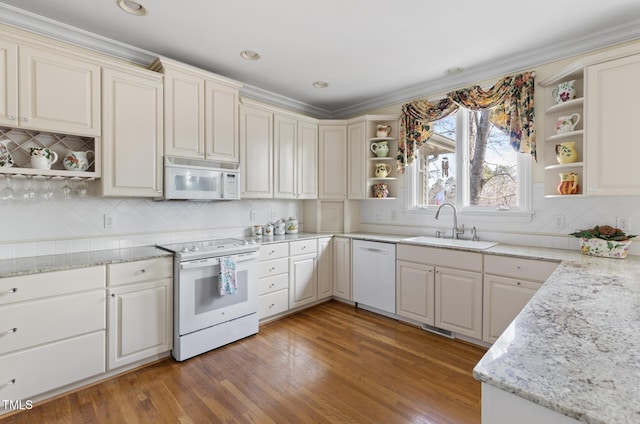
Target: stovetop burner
[210,248]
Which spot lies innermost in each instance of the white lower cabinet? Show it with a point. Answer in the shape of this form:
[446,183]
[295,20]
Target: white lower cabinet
[325,268]
[342,268]
[415,292]
[53,330]
[459,301]
[303,278]
[509,283]
[273,280]
[140,310]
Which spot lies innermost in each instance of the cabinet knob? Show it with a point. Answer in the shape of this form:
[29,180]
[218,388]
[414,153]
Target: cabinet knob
[113,295]
[9,331]
[518,283]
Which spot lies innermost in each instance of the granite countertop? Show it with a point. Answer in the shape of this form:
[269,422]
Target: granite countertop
[575,347]
[48,263]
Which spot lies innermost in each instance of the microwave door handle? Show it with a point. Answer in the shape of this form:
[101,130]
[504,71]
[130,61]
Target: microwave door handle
[200,263]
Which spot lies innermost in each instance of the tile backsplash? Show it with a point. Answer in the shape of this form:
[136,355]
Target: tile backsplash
[59,226]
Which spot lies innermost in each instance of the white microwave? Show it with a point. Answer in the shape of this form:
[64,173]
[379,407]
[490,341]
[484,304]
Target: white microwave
[196,179]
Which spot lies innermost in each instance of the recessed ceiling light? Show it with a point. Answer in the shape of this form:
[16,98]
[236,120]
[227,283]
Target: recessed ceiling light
[132,7]
[249,55]
[321,84]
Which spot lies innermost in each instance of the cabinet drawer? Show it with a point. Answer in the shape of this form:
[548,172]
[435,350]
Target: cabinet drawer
[27,324]
[303,247]
[273,303]
[139,271]
[45,284]
[38,370]
[470,261]
[271,284]
[529,269]
[274,251]
[275,267]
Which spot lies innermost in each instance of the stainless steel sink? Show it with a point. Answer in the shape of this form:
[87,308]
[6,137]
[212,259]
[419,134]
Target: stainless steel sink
[434,241]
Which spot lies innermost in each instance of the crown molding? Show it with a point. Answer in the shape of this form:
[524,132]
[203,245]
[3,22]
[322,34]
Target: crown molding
[491,69]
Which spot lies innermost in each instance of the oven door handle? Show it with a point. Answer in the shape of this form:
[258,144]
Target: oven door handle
[200,263]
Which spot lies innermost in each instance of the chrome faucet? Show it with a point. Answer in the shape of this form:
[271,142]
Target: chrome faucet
[454,231]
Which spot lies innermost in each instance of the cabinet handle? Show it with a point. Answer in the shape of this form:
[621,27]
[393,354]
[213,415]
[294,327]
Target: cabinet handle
[10,382]
[113,295]
[272,305]
[142,271]
[272,285]
[272,268]
[23,119]
[12,290]
[11,117]
[518,283]
[9,331]
[304,247]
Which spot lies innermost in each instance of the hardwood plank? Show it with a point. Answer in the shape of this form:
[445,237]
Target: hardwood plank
[331,363]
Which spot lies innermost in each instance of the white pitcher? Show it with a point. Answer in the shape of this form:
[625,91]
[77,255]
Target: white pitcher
[42,157]
[381,148]
[77,161]
[6,160]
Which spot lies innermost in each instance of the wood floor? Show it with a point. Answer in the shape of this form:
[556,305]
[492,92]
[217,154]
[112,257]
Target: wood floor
[329,364]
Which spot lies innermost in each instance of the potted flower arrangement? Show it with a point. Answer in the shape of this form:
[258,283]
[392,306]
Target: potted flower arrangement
[604,240]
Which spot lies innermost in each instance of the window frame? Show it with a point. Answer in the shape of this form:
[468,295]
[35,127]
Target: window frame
[522,213]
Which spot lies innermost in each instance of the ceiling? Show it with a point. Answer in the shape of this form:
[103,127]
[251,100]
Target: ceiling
[370,52]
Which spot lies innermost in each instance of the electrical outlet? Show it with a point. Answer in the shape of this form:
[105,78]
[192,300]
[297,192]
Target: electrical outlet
[394,215]
[273,215]
[558,221]
[623,223]
[109,220]
[377,215]
[252,215]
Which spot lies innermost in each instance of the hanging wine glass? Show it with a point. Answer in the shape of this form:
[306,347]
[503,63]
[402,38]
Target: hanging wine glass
[7,192]
[47,190]
[81,189]
[66,190]
[28,193]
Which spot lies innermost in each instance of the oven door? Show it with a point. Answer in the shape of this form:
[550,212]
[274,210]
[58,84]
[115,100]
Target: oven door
[198,303]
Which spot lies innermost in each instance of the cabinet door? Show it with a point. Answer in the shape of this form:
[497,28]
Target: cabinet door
[333,162]
[612,110]
[303,280]
[504,298]
[8,83]
[221,123]
[357,161]
[416,291]
[307,172]
[132,135]
[285,133]
[140,317]
[325,268]
[459,301]
[58,93]
[342,268]
[183,114]
[256,147]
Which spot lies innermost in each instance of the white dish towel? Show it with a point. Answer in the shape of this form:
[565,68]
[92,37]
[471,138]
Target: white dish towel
[227,283]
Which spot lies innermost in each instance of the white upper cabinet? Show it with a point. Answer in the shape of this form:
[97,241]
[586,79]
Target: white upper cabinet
[132,134]
[256,137]
[612,110]
[333,162]
[48,91]
[356,141]
[295,158]
[307,161]
[200,113]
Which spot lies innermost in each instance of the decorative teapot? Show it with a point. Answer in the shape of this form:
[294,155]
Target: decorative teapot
[381,148]
[566,124]
[42,157]
[565,91]
[382,170]
[383,130]
[77,161]
[568,183]
[6,160]
[566,152]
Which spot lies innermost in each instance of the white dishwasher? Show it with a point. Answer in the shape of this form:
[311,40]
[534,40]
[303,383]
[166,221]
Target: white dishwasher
[374,275]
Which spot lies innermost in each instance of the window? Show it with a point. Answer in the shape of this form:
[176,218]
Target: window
[468,162]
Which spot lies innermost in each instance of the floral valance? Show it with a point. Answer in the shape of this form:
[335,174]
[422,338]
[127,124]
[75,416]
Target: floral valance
[515,114]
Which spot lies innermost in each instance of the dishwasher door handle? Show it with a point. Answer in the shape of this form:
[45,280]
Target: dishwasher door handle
[373,249]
